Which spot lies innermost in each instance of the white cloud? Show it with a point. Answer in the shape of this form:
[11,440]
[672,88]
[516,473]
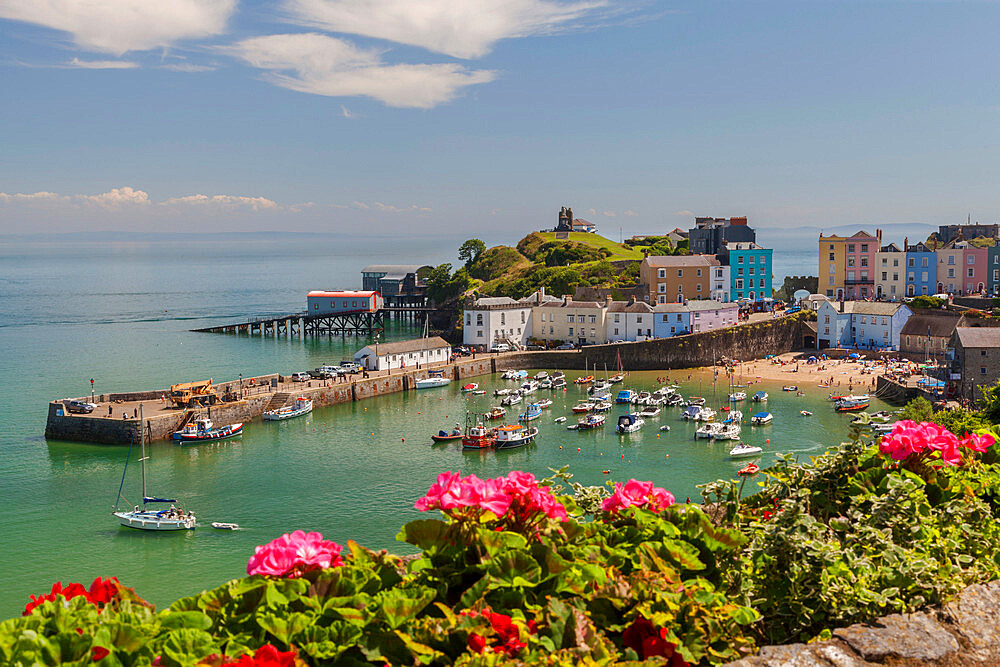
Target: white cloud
[116,198]
[223,201]
[102,64]
[118,26]
[327,66]
[630,213]
[608,214]
[686,213]
[33,197]
[188,67]
[465,29]
[385,208]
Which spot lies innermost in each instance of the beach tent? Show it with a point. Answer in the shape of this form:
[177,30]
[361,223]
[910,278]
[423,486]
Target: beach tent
[854,355]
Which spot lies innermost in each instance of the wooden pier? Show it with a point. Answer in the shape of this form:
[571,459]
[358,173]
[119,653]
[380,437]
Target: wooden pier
[303,324]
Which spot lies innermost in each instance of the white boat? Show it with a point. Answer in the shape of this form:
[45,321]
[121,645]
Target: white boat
[545,384]
[738,396]
[513,436]
[665,428]
[696,400]
[501,392]
[626,396]
[583,406]
[589,422]
[762,418]
[433,379]
[559,383]
[541,375]
[743,449]
[615,379]
[674,399]
[558,375]
[602,396]
[545,403]
[173,518]
[222,525]
[599,386]
[529,387]
[602,406]
[649,411]
[760,396]
[472,386]
[735,417]
[558,420]
[851,403]
[629,423]
[301,406]
[727,432]
[707,430]
[511,399]
[643,398]
[203,430]
[690,412]
[805,413]
[705,414]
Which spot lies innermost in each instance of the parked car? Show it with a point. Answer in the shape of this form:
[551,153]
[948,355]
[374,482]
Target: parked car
[301,376]
[534,348]
[461,351]
[79,407]
[500,347]
[793,309]
[325,372]
[566,346]
[350,367]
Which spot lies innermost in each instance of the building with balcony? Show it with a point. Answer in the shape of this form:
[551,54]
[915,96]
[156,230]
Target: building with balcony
[847,265]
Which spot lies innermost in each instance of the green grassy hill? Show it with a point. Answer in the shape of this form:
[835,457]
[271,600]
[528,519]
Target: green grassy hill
[617,250]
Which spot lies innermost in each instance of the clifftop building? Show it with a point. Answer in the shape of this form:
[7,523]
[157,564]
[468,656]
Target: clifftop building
[710,235]
[569,224]
[948,233]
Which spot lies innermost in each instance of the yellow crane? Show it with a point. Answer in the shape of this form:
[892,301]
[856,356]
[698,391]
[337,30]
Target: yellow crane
[190,394]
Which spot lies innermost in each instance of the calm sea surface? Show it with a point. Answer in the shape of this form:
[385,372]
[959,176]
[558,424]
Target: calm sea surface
[120,313]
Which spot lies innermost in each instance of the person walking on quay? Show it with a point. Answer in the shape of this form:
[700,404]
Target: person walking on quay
[110,410]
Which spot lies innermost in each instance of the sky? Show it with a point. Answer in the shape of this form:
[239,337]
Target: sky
[440,117]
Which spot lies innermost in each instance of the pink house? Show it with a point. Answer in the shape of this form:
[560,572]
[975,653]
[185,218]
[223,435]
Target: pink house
[707,315]
[974,270]
[859,265]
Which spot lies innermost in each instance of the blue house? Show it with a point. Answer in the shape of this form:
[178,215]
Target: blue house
[671,319]
[749,270]
[867,325]
[921,270]
[993,270]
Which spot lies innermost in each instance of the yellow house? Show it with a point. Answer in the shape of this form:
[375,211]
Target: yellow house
[570,321]
[832,264]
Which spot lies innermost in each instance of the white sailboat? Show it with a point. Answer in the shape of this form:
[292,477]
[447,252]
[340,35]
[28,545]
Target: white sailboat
[151,519]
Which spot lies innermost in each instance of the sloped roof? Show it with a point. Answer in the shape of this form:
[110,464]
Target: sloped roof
[681,261]
[496,302]
[880,308]
[670,308]
[414,345]
[572,304]
[921,324]
[978,336]
[708,304]
[394,268]
[638,307]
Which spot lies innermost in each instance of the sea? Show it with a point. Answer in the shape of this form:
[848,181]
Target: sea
[120,312]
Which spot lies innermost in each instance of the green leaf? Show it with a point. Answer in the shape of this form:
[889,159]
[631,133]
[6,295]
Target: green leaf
[514,569]
[399,605]
[429,534]
[174,620]
[186,647]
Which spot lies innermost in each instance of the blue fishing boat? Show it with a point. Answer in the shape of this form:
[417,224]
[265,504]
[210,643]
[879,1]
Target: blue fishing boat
[626,396]
[202,430]
[533,411]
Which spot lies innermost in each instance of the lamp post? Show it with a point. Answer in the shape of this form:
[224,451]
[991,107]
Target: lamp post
[91,390]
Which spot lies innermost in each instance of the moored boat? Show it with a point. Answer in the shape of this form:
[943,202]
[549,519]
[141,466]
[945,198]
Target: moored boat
[738,396]
[762,418]
[479,437]
[222,525]
[444,436]
[586,379]
[707,430]
[590,421]
[615,379]
[511,399]
[760,396]
[583,406]
[472,386]
[602,406]
[202,430]
[529,387]
[727,432]
[696,400]
[496,412]
[743,449]
[852,403]
[704,414]
[559,383]
[629,423]
[532,412]
[690,412]
[789,387]
[299,407]
[626,396]
[545,403]
[433,379]
[513,436]
[649,411]
[805,413]
[749,469]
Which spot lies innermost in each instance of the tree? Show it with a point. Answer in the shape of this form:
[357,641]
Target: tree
[919,410]
[470,251]
[443,285]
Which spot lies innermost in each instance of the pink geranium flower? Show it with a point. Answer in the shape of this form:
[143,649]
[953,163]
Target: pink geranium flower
[925,439]
[637,494]
[294,553]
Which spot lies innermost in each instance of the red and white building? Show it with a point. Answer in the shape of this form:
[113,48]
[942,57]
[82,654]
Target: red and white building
[321,302]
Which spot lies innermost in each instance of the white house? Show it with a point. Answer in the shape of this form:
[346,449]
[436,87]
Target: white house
[720,283]
[492,320]
[404,354]
[861,324]
[639,324]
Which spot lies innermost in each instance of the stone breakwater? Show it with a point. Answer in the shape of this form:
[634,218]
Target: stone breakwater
[61,425]
[962,632]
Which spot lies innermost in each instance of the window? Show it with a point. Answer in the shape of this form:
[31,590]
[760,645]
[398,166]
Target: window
[761,282]
[479,319]
[864,261]
[479,333]
[982,371]
[618,318]
[885,275]
[570,318]
[752,270]
[616,331]
[982,353]
[923,261]
[662,287]
[951,273]
[503,319]
[638,319]
[826,319]
[699,273]
[895,262]
[739,260]
[753,259]
[697,316]
[662,273]
[895,276]
[522,317]
[552,330]
[679,318]
[832,281]
[826,330]
[699,287]
[850,275]
[831,256]
[923,276]
[971,271]
[971,259]
[910,261]
[672,329]
[468,319]
[864,247]
[831,246]
[951,259]
[850,261]
[680,273]
[571,331]
[662,299]
[593,319]
[739,272]
[850,247]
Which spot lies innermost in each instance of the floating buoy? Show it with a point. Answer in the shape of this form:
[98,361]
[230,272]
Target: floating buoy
[577,449]
[404,439]
[607,472]
[373,434]
[560,446]
[667,456]
[657,435]
[768,441]
[623,456]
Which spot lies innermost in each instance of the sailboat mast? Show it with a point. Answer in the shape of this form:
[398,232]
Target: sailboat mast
[142,455]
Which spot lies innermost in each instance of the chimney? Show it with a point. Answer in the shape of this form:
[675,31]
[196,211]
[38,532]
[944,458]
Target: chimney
[906,243]
[608,300]
[565,299]
[540,295]
[842,303]
[878,235]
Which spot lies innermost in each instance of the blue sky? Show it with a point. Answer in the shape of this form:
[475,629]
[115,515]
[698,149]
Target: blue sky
[407,116]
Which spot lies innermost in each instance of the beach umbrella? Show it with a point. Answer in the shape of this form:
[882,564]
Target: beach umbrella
[854,355]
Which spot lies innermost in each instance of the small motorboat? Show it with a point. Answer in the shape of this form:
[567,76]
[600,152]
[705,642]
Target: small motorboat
[738,396]
[704,414]
[221,525]
[558,420]
[851,403]
[532,412]
[708,430]
[514,435]
[559,383]
[478,392]
[299,407]
[789,387]
[760,396]
[590,421]
[558,375]
[649,411]
[741,450]
[529,387]
[727,432]
[665,428]
[511,399]
[586,379]
[762,418]
[545,403]
[615,379]
[629,423]
[501,392]
[602,406]
[600,385]
[583,406]
[626,396]
[674,399]
[749,469]
[541,375]
[444,436]
[643,398]
[735,417]
[496,412]
[472,386]
[545,384]
[805,413]
[202,430]
[696,400]
[690,412]
[479,437]
[435,379]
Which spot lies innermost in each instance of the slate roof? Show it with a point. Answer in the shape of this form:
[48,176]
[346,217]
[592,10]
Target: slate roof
[978,336]
[681,260]
[708,304]
[941,326]
[880,308]
[572,304]
[414,345]
[497,302]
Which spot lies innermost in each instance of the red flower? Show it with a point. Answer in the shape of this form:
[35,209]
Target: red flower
[767,515]
[477,643]
[100,593]
[98,653]
[648,641]
[266,656]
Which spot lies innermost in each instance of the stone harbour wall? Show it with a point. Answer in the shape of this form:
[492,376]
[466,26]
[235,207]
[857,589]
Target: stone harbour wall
[962,632]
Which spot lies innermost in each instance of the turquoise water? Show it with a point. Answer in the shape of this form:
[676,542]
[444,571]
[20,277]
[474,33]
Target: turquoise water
[120,313]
